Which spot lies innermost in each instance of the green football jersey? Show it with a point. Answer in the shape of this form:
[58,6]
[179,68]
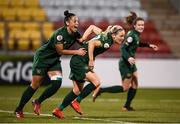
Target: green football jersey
[130,45]
[48,52]
[106,42]
[79,64]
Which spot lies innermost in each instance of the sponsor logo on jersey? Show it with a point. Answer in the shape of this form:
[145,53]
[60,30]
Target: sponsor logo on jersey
[59,37]
[106,45]
[129,39]
[38,71]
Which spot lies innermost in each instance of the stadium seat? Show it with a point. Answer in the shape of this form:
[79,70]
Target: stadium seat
[2,34]
[9,14]
[47,29]
[1,25]
[84,24]
[24,14]
[31,3]
[23,45]
[11,44]
[32,26]
[4,3]
[35,35]
[47,26]
[36,44]
[39,15]
[103,24]
[47,34]
[150,26]
[15,26]
[2,37]
[22,35]
[12,34]
[16,3]
[58,24]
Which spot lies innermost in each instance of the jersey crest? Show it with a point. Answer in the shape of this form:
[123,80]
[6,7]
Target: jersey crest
[59,37]
[106,45]
[129,39]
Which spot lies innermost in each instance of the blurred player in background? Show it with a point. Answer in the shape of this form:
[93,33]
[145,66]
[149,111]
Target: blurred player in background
[46,62]
[127,65]
[82,66]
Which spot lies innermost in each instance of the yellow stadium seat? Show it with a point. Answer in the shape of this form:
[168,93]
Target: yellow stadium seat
[22,35]
[31,3]
[47,34]
[23,45]
[16,3]
[9,14]
[47,26]
[47,29]
[12,35]
[2,9]
[24,14]
[1,25]
[2,44]
[32,26]
[11,44]
[39,15]
[2,34]
[4,3]
[35,35]
[2,38]
[15,26]
[36,44]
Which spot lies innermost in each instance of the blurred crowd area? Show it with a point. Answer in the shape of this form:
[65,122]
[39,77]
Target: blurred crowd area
[26,24]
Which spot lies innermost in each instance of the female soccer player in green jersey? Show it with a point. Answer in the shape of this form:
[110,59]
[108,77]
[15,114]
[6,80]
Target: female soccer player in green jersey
[82,66]
[127,66]
[46,62]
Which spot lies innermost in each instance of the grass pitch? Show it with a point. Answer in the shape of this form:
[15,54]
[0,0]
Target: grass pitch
[152,106]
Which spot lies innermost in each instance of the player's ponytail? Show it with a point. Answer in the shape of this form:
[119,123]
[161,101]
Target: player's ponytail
[67,16]
[132,19]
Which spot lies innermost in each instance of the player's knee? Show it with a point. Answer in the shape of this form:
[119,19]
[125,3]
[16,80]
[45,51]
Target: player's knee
[97,85]
[126,87]
[76,90]
[134,83]
[56,81]
[35,85]
[134,86]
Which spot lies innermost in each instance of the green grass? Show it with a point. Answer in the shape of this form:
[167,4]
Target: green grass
[152,105]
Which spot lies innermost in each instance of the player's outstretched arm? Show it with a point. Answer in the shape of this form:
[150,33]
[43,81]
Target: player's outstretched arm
[89,30]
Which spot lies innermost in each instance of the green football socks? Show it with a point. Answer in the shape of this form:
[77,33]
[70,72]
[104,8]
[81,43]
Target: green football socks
[26,96]
[86,91]
[113,89]
[131,94]
[51,90]
[67,100]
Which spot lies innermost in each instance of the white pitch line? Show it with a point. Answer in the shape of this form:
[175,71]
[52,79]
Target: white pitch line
[77,118]
[98,100]
[57,99]
[28,113]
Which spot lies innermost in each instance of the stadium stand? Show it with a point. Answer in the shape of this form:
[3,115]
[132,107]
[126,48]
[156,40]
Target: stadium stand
[29,22]
[166,19]
[23,21]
